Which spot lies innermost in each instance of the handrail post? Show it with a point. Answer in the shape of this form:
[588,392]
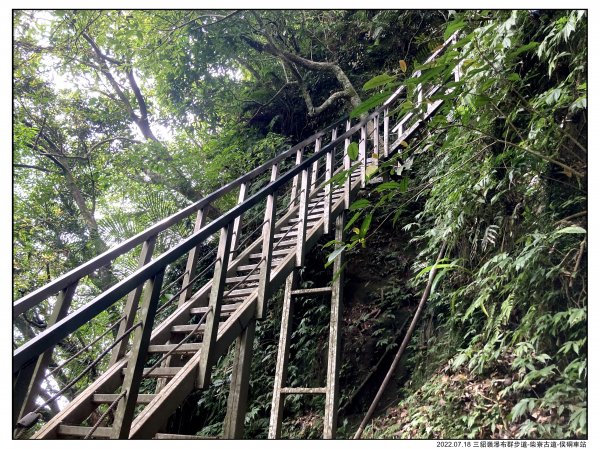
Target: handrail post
[347,165]
[214,312]
[268,231]
[190,267]
[457,68]
[376,139]
[302,212]
[330,158]
[386,132]
[362,155]
[315,167]
[295,182]
[135,364]
[131,306]
[235,237]
[27,385]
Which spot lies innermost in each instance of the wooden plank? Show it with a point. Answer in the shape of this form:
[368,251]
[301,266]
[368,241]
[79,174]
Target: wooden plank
[268,231]
[131,305]
[187,328]
[347,166]
[328,187]
[81,431]
[28,385]
[235,236]
[335,323]
[135,364]
[207,358]
[283,351]
[302,215]
[192,260]
[178,436]
[185,348]
[224,308]
[315,167]
[110,398]
[376,154]
[303,390]
[311,291]
[296,181]
[237,402]
[362,155]
[386,132]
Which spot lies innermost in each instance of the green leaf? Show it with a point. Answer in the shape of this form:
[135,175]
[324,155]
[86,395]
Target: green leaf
[379,80]
[390,185]
[452,27]
[360,204]
[370,103]
[331,257]
[353,151]
[571,230]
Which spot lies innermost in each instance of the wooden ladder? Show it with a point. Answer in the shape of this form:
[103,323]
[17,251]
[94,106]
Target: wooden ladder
[331,390]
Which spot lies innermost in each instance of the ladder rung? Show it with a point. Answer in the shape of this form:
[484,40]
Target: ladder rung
[110,398]
[81,431]
[177,436]
[226,308]
[162,371]
[275,253]
[311,291]
[238,292]
[185,348]
[286,234]
[290,390]
[308,218]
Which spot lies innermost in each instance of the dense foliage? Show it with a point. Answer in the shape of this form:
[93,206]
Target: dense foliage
[124,117]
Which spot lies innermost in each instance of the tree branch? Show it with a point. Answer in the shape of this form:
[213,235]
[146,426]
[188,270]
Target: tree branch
[36,167]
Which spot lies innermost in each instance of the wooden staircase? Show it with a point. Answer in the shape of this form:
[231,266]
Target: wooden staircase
[252,261]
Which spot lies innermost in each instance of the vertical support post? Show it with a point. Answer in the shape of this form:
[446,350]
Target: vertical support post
[29,379]
[268,231]
[315,166]
[131,306]
[190,267]
[237,402]
[333,359]
[296,180]
[135,364]
[235,237]
[302,211]
[376,139]
[330,158]
[214,312]
[282,357]
[457,68]
[386,132]
[347,165]
[362,154]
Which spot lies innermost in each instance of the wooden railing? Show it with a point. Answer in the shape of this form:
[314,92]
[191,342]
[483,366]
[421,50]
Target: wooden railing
[31,359]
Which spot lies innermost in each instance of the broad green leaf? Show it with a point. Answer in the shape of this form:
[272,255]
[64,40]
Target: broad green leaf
[378,81]
[452,27]
[370,103]
[353,151]
[361,203]
[571,230]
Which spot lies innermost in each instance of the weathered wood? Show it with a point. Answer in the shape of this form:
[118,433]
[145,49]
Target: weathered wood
[81,431]
[131,305]
[177,436]
[362,155]
[386,132]
[296,180]
[315,167]
[135,364]
[330,158]
[283,351]
[237,402]
[335,322]
[311,291]
[302,213]
[376,154]
[192,261]
[29,380]
[207,358]
[110,398]
[185,348]
[268,231]
[303,390]
[347,162]
[235,236]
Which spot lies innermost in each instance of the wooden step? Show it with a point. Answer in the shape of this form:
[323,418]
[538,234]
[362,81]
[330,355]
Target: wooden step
[187,328]
[225,309]
[110,398]
[186,348]
[280,252]
[81,431]
[177,436]
[236,279]
[238,292]
[161,371]
[286,235]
